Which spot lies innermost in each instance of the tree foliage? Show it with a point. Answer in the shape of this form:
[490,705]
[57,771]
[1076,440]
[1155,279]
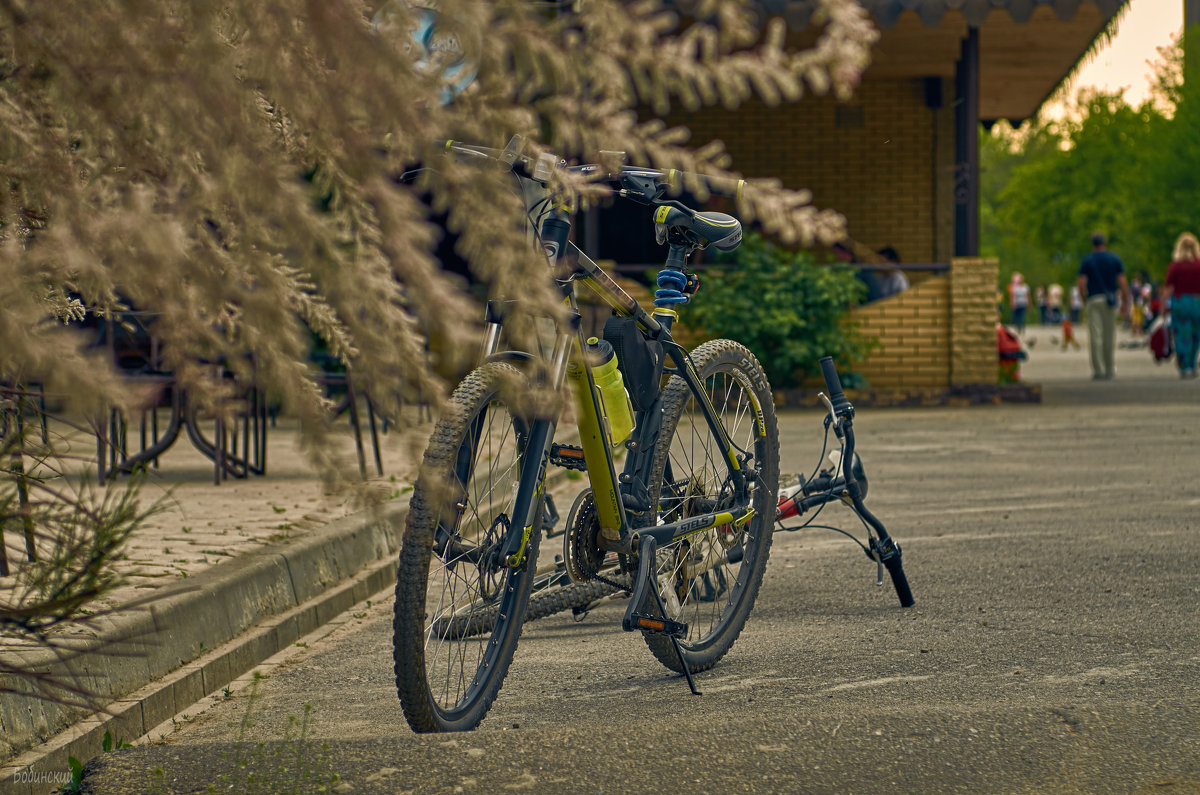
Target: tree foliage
[233,167]
[785,308]
[1133,173]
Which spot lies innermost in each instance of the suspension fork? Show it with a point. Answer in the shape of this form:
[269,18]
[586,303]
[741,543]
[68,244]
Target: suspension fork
[528,501]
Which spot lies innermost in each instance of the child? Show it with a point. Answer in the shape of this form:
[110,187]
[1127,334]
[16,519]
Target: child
[1068,331]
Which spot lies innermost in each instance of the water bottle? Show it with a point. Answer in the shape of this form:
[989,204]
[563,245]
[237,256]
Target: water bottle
[616,411]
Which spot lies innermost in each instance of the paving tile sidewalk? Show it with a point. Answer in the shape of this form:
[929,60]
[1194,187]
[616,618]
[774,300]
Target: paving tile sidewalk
[203,524]
[246,566]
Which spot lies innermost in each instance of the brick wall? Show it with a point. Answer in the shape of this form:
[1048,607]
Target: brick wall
[884,160]
[913,329]
[973,317]
[939,333]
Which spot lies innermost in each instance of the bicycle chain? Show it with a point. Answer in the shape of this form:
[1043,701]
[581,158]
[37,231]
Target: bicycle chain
[627,588]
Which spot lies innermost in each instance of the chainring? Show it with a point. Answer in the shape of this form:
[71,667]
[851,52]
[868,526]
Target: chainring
[582,554]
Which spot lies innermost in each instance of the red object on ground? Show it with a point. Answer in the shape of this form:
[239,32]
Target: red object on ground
[1161,346]
[1008,346]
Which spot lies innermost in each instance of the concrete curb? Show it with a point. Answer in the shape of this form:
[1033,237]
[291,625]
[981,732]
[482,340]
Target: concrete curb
[198,636]
[957,396]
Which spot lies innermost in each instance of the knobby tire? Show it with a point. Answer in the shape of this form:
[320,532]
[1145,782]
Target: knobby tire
[458,617]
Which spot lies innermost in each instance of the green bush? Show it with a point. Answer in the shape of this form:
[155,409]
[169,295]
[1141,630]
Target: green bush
[783,306]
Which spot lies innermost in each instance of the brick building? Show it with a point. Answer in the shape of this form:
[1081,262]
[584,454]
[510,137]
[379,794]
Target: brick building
[900,159]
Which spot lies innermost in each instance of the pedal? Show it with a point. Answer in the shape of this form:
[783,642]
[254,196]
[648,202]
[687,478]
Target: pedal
[550,517]
[657,625]
[568,457]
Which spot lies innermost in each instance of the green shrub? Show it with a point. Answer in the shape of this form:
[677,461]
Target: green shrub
[788,310]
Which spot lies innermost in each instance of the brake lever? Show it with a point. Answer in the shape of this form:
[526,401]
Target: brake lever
[640,188]
[832,419]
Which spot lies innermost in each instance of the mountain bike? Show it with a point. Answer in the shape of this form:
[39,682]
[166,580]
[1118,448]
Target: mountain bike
[686,522]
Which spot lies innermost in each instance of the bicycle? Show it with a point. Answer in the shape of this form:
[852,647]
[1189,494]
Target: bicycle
[687,520]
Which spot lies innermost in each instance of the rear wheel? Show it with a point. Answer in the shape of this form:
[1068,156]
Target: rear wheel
[459,606]
[709,580]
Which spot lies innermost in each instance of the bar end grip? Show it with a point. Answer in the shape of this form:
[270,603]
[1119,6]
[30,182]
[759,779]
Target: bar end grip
[841,406]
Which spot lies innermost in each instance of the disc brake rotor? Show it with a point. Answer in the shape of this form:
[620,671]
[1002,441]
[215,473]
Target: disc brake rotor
[491,575]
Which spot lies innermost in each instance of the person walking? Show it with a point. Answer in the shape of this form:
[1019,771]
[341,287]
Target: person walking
[1101,276]
[1075,304]
[1054,296]
[1018,301]
[1068,334]
[1181,292]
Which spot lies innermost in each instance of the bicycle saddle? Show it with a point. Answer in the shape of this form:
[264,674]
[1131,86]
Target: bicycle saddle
[715,229]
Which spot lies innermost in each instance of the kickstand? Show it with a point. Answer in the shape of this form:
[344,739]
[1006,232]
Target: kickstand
[660,625]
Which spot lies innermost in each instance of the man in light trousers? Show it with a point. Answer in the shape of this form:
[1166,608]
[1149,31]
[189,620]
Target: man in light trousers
[1101,277]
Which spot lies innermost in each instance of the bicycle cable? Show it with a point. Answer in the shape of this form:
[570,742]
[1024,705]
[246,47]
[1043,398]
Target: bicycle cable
[828,494]
[821,457]
[809,525]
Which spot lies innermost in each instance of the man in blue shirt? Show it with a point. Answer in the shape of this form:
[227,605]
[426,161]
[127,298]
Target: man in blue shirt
[1101,276]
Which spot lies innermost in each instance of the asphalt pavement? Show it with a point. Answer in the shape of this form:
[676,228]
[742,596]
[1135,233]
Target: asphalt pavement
[1052,549]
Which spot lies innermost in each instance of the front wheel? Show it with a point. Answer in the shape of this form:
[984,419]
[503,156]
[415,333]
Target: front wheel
[459,606]
[709,580]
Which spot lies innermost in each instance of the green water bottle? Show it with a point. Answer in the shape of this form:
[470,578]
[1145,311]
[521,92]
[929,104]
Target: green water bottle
[616,412]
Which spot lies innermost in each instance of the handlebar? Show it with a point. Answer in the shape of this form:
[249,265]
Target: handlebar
[887,552]
[883,549]
[671,179]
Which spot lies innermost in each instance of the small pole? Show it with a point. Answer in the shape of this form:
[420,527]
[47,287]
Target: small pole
[18,469]
[1191,20]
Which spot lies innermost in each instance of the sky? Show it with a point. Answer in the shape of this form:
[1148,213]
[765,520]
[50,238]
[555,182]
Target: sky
[1126,61]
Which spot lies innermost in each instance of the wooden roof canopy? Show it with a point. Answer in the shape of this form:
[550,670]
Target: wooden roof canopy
[1026,47]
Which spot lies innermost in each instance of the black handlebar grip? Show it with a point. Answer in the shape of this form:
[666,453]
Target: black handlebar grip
[896,569]
[834,384]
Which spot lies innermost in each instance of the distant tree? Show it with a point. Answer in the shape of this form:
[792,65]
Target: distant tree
[1003,153]
[232,166]
[1133,173]
[1168,185]
[1081,182]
